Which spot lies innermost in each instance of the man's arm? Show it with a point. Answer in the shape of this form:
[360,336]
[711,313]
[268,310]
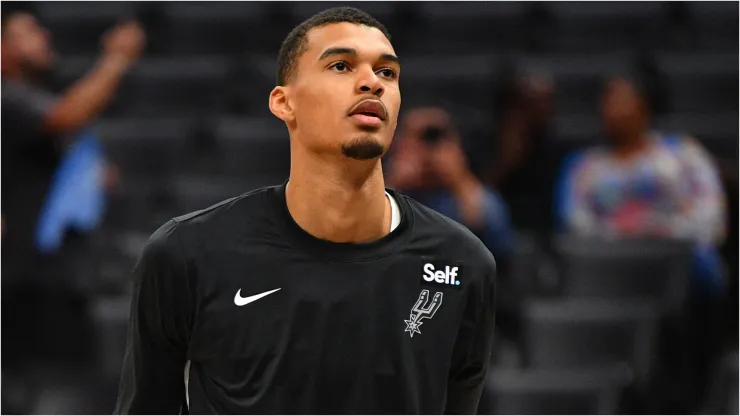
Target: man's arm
[473,347]
[160,322]
[703,201]
[572,208]
[89,95]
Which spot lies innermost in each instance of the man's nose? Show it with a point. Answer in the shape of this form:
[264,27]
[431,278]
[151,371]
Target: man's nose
[369,82]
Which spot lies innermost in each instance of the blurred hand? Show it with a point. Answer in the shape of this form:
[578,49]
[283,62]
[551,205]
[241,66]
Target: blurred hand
[125,41]
[449,162]
[407,166]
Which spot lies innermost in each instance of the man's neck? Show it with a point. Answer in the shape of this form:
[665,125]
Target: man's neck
[632,146]
[17,73]
[343,201]
[11,75]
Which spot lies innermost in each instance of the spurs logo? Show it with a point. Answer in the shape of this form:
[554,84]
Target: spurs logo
[422,310]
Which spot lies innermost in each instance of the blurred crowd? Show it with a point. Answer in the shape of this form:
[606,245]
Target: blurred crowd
[513,183]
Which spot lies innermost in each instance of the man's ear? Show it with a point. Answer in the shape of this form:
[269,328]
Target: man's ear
[279,104]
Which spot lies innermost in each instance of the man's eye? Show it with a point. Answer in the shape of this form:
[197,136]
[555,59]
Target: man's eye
[388,73]
[339,66]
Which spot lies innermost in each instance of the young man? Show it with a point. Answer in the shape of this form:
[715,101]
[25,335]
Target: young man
[329,293]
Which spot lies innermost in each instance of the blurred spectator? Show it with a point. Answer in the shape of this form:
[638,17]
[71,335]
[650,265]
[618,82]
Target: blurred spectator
[528,159]
[652,184]
[41,129]
[429,165]
[646,183]
[52,178]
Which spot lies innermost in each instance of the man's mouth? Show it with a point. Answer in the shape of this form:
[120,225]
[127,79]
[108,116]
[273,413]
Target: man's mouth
[369,111]
[367,120]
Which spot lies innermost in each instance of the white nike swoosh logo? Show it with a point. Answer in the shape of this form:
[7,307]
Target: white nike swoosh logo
[240,301]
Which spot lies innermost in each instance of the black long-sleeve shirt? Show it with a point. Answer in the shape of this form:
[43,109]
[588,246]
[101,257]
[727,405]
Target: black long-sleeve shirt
[236,309]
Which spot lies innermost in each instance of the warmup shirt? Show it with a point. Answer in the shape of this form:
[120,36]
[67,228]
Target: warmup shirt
[237,309]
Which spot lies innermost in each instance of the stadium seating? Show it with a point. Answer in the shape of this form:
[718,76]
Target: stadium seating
[110,317]
[215,27]
[560,392]
[253,146]
[571,334]
[77,27]
[723,391]
[648,269]
[147,145]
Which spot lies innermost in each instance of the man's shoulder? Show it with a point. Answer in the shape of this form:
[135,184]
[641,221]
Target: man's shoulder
[20,92]
[250,201]
[232,214]
[450,235]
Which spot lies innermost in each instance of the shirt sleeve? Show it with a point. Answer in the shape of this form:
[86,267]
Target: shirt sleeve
[572,205]
[703,200]
[473,347]
[160,321]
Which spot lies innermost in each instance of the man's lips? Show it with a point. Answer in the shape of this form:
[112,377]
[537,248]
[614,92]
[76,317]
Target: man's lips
[366,120]
[367,110]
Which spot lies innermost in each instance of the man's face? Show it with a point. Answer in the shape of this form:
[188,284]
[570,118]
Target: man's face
[537,92]
[621,108]
[345,93]
[27,43]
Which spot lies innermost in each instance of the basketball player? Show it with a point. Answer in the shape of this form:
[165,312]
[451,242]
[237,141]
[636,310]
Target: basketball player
[328,293]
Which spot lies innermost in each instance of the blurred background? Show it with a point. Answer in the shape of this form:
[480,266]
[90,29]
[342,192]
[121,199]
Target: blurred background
[592,146]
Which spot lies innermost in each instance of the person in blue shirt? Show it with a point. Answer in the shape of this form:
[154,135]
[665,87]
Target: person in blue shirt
[428,163]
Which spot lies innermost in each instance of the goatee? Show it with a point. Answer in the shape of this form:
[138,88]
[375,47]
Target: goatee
[363,148]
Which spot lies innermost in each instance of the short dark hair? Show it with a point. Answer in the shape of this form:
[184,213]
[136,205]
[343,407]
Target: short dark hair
[296,43]
[646,76]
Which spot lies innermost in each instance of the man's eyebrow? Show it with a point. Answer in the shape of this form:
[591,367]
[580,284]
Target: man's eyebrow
[390,57]
[337,51]
[351,51]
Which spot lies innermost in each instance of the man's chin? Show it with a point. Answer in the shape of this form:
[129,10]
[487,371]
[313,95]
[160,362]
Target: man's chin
[41,69]
[366,148]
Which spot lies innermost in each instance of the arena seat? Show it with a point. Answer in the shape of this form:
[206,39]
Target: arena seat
[584,392]
[154,145]
[718,132]
[220,28]
[182,86]
[723,390]
[199,192]
[303,10]
[77,27]
[657,270]
[702,83]
[252,146]
[466,80]
[572,334]
[110,318]
[716,25]
[579,77]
